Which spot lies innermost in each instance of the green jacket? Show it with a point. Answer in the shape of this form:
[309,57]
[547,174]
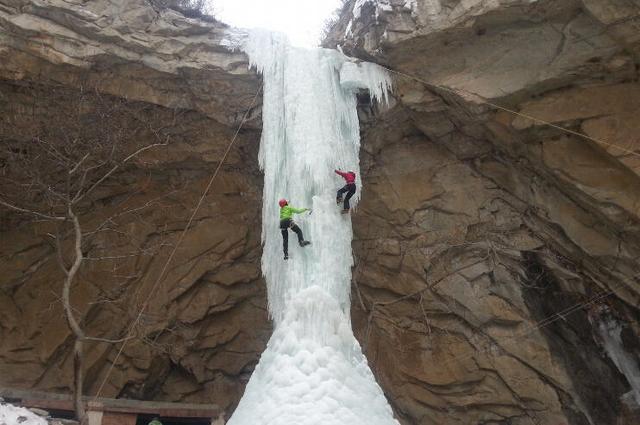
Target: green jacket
[288,211]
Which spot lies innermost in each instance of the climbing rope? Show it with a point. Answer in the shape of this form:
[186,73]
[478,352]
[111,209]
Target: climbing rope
[559,315]
[547,321]
[539,325]
[175,247]
[484,100]
[543,323]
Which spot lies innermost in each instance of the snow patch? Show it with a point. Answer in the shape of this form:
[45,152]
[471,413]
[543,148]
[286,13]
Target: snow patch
[13,415]
[234,38]
[380,5]
[410,4]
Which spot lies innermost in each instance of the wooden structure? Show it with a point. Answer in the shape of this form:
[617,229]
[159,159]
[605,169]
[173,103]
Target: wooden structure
[116,411]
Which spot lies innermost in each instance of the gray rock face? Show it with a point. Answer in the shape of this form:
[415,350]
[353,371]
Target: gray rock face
[491,245]
[127,48]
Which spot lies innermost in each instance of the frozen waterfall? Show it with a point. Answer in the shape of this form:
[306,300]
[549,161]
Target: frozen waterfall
[313,370]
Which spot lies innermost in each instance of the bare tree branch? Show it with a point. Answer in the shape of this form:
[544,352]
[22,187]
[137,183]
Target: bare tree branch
[67,161]
[79,197]
[38,214]
[109,341]
[75,168]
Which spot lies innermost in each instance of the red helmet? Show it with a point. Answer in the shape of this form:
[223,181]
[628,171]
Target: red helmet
[282,202]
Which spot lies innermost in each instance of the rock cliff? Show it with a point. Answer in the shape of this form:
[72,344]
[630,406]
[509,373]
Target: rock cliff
[492,247]
[497,277]
[128,73]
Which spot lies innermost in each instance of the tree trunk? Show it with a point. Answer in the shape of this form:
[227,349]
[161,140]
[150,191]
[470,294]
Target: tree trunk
[78,382]
[73,323]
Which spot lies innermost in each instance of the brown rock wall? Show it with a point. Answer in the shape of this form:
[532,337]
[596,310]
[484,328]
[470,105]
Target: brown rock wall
[512,239]
[489,247]
[461,287]
[127,72]
[206,322]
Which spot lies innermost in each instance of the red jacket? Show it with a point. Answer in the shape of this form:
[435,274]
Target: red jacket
[350,177]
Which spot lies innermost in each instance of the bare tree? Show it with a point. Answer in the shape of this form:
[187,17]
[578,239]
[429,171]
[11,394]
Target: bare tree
[56,166]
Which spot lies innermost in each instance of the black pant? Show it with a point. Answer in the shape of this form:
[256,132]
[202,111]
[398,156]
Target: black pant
[350,189]
[285,225]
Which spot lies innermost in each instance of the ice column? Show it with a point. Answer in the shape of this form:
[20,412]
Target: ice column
[313,370]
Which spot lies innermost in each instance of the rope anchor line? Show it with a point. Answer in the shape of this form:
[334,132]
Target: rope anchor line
[209,185]
[485,101]
[176,246]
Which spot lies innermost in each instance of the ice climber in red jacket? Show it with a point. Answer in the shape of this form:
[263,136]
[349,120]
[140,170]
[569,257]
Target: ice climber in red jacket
[349,189]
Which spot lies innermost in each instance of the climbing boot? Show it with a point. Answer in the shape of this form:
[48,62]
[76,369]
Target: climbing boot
[305,243]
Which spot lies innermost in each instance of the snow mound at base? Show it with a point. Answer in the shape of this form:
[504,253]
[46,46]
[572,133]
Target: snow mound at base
[311,374]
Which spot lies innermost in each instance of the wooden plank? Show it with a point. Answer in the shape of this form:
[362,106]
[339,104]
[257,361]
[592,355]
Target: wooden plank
[119,419]
[48,404]
[175,410]
[57,401]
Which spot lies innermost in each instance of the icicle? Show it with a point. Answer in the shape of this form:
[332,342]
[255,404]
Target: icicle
[368,76]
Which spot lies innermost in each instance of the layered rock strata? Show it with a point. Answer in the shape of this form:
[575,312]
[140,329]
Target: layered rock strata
[147,76]
[492,247]
[496,278]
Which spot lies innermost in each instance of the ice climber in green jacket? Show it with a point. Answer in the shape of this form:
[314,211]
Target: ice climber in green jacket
[286,223]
